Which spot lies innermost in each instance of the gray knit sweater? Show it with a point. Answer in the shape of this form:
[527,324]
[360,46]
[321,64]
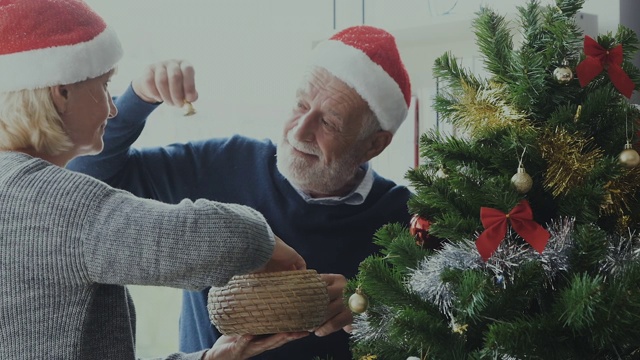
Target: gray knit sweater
[69,244]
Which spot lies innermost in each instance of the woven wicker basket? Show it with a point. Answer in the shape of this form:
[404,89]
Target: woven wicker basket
[268,303]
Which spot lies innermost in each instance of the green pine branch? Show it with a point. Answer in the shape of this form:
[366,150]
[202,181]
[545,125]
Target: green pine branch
[446,67]
[495,43]
[399,247]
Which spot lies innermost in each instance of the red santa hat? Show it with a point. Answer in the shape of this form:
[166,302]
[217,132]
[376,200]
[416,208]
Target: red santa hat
[53,42]
[367,59]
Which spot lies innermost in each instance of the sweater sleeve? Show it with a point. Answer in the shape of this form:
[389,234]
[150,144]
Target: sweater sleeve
[190,245]
[168,173]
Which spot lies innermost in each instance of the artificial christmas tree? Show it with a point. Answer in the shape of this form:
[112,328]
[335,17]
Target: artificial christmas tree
[538,213]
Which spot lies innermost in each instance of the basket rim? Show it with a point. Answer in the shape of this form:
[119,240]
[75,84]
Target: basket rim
[286,273]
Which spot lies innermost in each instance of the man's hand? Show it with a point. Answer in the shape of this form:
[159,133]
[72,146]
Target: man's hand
[170,81]
[338,315]
[283,258]
[246,346]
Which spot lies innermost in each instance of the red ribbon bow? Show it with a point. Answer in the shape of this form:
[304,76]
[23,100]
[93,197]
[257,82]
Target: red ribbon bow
[495,224]
[599,58]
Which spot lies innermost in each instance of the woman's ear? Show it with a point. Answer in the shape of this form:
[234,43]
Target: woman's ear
[60,97]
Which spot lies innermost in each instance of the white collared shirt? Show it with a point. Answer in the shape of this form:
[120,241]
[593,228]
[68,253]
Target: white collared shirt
[355,197]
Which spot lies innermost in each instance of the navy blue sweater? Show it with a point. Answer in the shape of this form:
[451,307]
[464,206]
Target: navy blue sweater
[331,238]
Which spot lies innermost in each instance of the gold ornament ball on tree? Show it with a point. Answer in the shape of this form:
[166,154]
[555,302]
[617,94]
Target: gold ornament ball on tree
[358,303]
[522,181]
[629,156]
[563,74]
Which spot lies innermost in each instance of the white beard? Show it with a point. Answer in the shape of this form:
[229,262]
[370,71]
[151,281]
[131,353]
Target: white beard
[312,175]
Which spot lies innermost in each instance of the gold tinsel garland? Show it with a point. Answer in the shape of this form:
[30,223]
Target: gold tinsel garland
[619,191]
[570,158]
[369,357]
[483,109]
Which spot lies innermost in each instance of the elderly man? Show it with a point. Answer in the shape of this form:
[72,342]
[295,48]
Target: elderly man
[319,192]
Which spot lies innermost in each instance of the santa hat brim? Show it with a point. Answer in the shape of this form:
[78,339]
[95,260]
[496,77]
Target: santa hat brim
[67,64]
[369,79]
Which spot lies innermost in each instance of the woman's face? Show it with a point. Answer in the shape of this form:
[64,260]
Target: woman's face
[89,106]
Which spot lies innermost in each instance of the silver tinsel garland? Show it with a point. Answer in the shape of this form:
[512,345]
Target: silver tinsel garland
[364,330]
[620,252]
[426,279]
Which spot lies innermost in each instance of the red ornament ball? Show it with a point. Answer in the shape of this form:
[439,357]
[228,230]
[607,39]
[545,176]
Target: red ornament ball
[419,229]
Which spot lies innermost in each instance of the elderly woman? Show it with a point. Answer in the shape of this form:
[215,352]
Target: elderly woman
[69,243]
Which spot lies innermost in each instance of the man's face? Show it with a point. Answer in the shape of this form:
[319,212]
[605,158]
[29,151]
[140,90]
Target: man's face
[321,148]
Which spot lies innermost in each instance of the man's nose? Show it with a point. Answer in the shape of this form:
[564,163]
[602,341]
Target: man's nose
[306,127]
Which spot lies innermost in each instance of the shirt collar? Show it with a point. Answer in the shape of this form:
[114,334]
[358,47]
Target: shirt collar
[355,197]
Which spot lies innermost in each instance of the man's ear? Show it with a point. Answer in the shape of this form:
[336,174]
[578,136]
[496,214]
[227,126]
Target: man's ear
[378,142]
[60,97]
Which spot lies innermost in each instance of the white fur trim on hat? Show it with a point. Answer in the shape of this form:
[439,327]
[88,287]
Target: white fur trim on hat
[366,77]
[60,65]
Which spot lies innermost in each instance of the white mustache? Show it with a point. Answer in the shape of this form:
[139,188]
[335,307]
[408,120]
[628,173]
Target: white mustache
[303,147]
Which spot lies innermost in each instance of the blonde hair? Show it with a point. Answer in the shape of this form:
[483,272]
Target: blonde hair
[29,120]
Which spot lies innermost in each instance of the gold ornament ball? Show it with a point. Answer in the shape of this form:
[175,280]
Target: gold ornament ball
[522,181]
[563,75]
[629,157]
[358,303]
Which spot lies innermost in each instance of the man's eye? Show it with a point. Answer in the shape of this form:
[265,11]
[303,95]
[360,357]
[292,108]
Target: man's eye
[330,126]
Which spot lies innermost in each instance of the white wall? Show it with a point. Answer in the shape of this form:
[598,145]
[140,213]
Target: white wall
[248,56]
